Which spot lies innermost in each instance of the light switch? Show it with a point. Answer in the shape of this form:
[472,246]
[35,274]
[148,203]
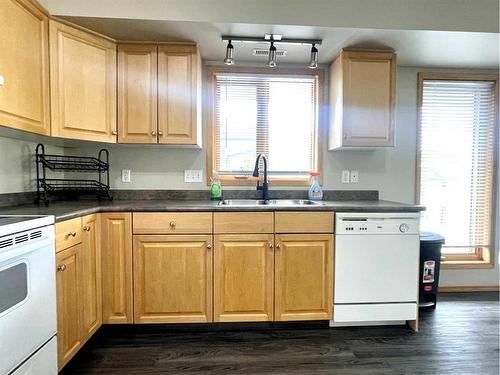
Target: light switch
[345,176]
[354,177]
[125,175]
[193,175]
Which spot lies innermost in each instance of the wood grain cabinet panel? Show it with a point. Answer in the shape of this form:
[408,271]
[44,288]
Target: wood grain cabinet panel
[304,222]
[69,338]
[173,223]
[68,233]
[91,301]
[116,260]
[243,222]
[362,99]
[24,66]
[83,84]
[179,95]
[137,93]
[243,278]
[304,277]
[172,279]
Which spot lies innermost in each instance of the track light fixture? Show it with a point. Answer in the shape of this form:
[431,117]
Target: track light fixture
[271,38]
[229,60]
[313,62]
[271,62]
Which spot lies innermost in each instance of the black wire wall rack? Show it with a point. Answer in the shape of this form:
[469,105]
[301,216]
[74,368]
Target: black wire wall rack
[71,188]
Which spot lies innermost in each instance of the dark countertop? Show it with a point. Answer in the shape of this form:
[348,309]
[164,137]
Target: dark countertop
[65,210]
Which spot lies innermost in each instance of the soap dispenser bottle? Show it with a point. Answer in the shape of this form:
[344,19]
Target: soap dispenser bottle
[315,191]
[215,189]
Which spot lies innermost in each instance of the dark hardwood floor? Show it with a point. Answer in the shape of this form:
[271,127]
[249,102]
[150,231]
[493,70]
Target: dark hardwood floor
[460,337]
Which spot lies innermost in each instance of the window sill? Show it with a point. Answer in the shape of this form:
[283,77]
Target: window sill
[273,181]
[466,264]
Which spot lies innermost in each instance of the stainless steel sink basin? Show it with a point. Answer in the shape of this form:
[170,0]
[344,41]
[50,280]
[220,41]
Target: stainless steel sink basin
[272,202]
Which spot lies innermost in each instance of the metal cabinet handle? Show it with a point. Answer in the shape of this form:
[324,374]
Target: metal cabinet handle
[160,134]
[209,246]
[61,268]
[271,246]
[172,224]
[72,234]
[278,245]
[86,228]
[114,132]
[153,133]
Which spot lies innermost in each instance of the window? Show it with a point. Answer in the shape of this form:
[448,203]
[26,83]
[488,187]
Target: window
[275,114]
[457,163]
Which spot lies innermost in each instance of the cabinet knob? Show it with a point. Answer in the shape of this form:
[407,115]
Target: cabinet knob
[61,268]
[160,134]
[153,133]
[114,132]
[172,224]
[209,246]
[86,228]
[278,245]
[72,234]
[271,246]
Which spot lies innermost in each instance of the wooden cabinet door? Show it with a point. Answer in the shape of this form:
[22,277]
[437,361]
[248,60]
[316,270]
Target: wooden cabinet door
[82,84]
[243,278]
[179,93]
[24,66]
[116,264]
[369,80]
[68,303]
[172,279]
[90,260]
[137,93]
[304,277]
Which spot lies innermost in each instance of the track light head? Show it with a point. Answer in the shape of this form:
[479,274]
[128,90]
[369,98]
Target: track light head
[313,62]
[271,62]
[229,60]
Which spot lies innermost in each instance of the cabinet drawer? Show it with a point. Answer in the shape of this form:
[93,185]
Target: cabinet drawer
[304,222]
[68,233]
[172,222]
[243,222]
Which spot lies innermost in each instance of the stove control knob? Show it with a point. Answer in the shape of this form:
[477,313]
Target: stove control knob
[403,228]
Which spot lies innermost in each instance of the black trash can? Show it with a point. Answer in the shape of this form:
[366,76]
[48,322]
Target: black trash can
[430,262]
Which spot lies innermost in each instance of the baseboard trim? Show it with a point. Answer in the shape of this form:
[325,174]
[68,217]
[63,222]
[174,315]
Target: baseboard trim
[478,288]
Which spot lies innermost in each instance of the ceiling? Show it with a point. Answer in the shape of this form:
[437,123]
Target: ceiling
[422,48]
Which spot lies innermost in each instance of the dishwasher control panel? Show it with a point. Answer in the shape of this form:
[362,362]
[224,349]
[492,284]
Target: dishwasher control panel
[377,223]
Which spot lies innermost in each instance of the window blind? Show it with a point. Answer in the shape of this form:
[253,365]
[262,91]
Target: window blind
[270,114]
[457,162]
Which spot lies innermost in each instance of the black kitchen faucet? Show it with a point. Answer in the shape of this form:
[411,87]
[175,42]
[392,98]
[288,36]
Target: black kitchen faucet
[265,184]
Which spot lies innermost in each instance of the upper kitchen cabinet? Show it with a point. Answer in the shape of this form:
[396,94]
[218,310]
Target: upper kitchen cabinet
[137,93]
[159,94]
[83,84]
[362,99]
[24,66]
[179,95]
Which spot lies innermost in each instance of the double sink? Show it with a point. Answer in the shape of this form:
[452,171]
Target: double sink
[271,202]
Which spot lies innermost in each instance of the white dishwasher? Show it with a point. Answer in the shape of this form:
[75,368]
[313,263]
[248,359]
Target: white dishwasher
[376,268]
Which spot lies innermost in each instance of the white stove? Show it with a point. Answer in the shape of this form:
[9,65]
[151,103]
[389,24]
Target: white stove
[28,320]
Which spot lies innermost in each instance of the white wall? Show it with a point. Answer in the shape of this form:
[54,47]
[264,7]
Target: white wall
[17,164]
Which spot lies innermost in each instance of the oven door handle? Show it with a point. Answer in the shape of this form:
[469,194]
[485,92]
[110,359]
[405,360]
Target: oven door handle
[21,250]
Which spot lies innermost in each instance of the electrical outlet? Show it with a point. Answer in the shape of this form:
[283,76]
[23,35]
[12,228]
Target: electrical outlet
[126,175]
[193,175]
[354,177]
[345,176]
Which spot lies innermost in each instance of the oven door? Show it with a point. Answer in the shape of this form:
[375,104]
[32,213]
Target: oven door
[27,299]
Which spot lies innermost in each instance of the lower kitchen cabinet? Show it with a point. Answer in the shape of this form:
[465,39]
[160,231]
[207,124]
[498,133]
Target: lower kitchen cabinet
[243,277]
[304,277]
[90,259]
[117,295]
[68,304]
[172,278]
